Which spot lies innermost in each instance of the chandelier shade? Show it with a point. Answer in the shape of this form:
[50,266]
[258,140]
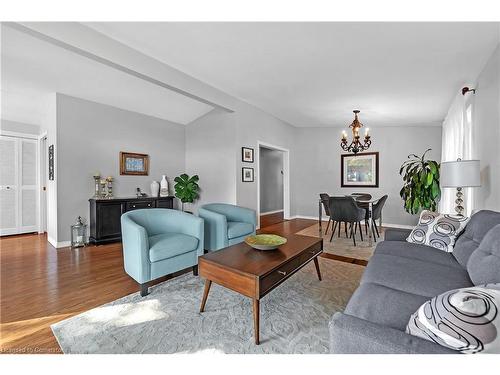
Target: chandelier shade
[355,146]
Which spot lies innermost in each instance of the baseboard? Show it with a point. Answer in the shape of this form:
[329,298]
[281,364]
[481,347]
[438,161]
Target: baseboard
[270,212]
[58,245]
[325,219]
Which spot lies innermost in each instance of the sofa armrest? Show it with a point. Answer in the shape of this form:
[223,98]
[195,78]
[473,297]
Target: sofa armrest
[396,234]
[135,245]
[351,335]
[215,229]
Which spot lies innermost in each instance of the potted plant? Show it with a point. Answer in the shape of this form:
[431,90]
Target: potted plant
[186,188]
[420,183]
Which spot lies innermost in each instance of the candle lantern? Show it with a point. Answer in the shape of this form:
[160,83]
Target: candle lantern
[78,233]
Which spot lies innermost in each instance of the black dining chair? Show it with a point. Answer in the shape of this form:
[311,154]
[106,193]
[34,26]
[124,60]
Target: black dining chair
[324,200]
[345,209]
[376,214]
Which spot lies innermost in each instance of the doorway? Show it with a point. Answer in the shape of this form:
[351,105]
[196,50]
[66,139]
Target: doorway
[274,192]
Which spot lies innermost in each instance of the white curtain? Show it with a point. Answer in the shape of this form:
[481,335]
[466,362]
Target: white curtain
[457,142]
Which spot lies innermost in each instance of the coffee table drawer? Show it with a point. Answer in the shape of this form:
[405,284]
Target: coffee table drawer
[309,254]
[276,276]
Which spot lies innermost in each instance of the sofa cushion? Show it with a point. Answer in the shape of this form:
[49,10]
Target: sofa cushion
[466,320]
[413,275]
[168,245]
[238,229]
[484,263]
[417,251]
[382,305]
[438,230]
[479,224]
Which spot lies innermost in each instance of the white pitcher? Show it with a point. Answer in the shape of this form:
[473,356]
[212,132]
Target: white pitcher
[164,186]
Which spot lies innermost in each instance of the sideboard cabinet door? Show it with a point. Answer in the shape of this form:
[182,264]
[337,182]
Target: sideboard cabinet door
[108,220]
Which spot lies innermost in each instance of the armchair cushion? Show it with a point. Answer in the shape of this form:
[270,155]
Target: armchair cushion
[238,229]
[168,245]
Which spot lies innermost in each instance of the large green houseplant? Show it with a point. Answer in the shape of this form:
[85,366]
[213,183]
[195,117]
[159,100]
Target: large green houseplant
[186,188]
[420,183]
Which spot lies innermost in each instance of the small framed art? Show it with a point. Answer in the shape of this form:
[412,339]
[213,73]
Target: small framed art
[247,174]
[247,154]
[134,164]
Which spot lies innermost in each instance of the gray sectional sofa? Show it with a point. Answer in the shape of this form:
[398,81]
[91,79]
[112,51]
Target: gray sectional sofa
[400,277]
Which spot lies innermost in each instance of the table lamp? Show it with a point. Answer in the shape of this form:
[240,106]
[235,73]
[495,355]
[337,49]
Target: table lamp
[459,174]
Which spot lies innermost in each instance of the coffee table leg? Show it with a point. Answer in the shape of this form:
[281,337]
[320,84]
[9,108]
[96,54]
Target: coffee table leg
[316,263]
[256,313]
[208,284]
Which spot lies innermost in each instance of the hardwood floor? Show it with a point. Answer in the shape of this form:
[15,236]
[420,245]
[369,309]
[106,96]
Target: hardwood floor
[267,220]
[41,285]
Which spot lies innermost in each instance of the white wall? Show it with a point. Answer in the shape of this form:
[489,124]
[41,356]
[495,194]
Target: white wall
[487,134]
[210,142]
[90,137]
[271,180]
[255,125]
[316,167]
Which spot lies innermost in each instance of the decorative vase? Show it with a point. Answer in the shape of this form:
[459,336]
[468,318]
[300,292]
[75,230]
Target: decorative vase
[164,186]
[155,188]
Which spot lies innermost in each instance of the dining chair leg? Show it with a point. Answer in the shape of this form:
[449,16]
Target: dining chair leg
[352,234]
[333,234]
[376,229]
[340,223]
[360,231]
[345,227]
[374,236]
[327,225]
[334,226]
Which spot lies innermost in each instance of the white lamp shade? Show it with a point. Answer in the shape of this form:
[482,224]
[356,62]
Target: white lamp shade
[460,173]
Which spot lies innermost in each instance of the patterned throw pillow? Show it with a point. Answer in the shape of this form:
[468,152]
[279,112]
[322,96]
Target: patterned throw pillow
[438,230]
[466,320]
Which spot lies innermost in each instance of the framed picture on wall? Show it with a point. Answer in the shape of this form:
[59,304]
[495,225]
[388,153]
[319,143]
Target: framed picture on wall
[134,164]
[247,154]
[247,174]
[359,170]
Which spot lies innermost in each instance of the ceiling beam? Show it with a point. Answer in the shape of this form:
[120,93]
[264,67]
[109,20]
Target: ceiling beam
[111,64]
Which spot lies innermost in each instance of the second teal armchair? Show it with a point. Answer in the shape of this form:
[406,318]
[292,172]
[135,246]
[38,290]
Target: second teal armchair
[158,242]
[226,224]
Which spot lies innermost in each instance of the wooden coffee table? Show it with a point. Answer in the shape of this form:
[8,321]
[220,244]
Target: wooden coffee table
[255,273]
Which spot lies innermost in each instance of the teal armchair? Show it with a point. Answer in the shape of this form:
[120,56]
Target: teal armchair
[159,241]
[226,224]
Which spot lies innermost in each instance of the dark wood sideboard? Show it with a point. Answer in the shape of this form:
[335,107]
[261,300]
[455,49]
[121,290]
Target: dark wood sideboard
[105,215]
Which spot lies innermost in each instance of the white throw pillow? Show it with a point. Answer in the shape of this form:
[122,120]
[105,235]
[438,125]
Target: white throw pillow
[438,230]
[466,320]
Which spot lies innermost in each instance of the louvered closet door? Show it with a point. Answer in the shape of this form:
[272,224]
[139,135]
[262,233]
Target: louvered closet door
[18,185]
[28,214]
[9,177]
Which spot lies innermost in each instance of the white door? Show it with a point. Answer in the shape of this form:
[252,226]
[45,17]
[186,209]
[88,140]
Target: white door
[9,167]
[18,185]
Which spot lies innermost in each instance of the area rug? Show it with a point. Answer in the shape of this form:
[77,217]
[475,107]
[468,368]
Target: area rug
[343,246]
[294,317]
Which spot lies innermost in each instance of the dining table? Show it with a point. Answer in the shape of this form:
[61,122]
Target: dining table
[367,202]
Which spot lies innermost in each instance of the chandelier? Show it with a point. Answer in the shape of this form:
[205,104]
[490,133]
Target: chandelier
[355,146]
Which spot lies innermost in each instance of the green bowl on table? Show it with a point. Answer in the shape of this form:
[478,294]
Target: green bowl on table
[265,241]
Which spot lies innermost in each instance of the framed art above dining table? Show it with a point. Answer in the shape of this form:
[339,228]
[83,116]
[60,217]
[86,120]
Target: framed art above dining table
[360,170]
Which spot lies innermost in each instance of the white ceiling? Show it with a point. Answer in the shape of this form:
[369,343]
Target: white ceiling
[31,68]
[315,74]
